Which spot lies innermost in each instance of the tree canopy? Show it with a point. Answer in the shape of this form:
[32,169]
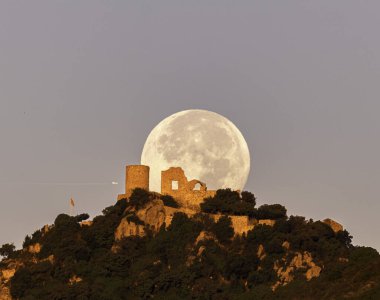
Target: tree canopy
[231,202]
[86,262]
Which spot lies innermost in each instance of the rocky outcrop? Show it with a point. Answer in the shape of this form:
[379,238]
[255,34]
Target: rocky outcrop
[285,271]
[4,292]
[152,216]
[75,279]
[6,275]
[12,265]
[128,228]
[334,225]
[286,245]
[261,252]
[203,236]
[85,223]
[155,214]
[313,271]
[35,248]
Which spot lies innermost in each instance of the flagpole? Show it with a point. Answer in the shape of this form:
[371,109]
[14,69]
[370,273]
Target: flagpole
[72,207]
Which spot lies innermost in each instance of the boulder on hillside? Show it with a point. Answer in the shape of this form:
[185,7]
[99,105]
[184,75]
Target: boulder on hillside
[334,225]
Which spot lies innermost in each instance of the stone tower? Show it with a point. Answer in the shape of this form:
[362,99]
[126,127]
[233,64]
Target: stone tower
[136,176]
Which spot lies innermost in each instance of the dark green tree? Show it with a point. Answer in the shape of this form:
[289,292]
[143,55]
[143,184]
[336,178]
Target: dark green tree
[223,229]
[271,211]
[230,202]
[7,250]
[248,198]
[140,198]
[169,201]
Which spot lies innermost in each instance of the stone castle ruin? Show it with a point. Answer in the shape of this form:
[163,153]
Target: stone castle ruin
[189,194]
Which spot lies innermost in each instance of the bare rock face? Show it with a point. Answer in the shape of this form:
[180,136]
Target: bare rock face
[314,271]
[127,228]
[7,274]
[153,214]
[286,271]
[201,250]
[85,223]
[261,252]
[334,225]
[4,292]
[5,277]
[35,248]
[74,280]
[286,245]
[204,235]
[12,265]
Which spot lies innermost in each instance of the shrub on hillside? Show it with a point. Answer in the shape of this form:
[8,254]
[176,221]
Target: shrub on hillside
[170,264]
[135,219]
[223,229]
[230,202]
[169,201]
[30,240]
[7,250]
[139,198]
[271,211]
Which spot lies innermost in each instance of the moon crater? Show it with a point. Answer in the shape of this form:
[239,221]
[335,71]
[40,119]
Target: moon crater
[206,145]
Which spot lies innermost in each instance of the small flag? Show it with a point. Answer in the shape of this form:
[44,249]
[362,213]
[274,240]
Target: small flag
[72,203]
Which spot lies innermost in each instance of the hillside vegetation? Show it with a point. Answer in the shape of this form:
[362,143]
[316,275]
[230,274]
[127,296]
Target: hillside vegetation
[195,257]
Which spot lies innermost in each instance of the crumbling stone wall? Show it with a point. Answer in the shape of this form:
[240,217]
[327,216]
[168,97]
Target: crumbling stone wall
[175,183]
[242,224]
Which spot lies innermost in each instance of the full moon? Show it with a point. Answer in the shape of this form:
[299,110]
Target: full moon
[206,145]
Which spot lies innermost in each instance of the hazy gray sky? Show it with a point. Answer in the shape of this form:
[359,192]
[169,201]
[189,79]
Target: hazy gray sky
[82,83]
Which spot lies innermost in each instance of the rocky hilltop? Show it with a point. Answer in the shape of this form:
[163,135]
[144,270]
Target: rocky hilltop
[149,246]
